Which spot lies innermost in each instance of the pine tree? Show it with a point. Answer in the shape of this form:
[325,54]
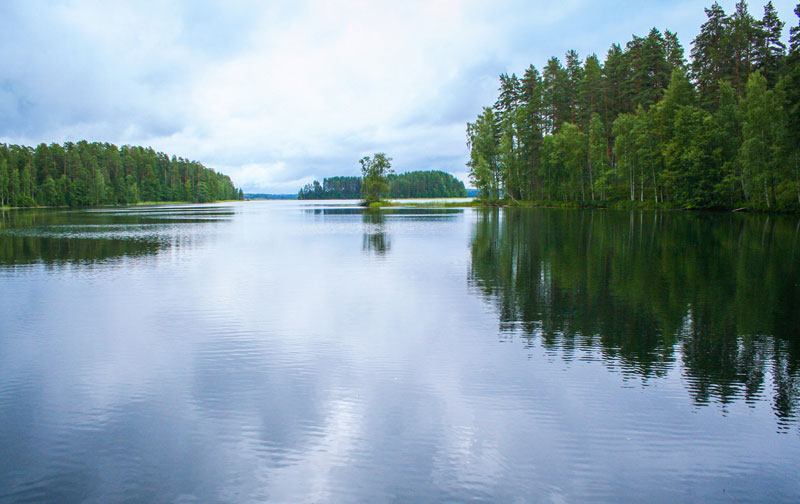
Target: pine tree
[510,95]
[556,95]
[615,79]
[743,41]
[574,70]
[710,54]
[590,91]
[638,125]
[771,50]
[794,33]
[673,51]
[531,124]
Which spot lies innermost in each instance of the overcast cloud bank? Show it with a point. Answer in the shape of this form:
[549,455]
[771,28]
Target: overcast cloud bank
[280,94]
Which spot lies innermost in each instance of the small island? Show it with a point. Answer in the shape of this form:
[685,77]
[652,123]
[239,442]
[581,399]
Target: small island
[413,184]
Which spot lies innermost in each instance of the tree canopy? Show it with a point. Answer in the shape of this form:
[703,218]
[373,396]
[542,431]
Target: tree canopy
[647,126]
[375,173]
[86,174]
[414,184]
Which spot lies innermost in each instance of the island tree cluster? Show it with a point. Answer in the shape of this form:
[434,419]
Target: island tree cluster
[415,184]
[85,174]
[375,173]
[721,130]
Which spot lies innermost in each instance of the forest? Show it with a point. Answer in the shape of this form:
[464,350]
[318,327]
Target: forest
[86,174]
[648,127]
[415,184]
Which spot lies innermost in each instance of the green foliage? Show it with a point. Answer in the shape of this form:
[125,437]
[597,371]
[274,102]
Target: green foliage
[645,127]
[762,135]
[375,173]
[87,174]
[483,137]
[415,184]
[426,184]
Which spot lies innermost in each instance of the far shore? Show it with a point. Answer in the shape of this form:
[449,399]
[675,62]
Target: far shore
[456,203]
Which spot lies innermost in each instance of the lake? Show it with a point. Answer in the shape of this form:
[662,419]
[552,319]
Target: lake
[295,351]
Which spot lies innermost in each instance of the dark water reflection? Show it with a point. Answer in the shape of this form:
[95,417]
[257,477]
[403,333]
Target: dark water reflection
[316,352]
[719,293]
[375,237]
[61,237]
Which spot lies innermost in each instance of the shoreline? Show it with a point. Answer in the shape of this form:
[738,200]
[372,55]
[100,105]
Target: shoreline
[140,203]
[618,206]
[475,203]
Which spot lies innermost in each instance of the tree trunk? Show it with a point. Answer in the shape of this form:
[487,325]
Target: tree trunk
[641,186]
[766,194]
[633,185]
[744,191]
[633,189]
[655,187]
[797,176]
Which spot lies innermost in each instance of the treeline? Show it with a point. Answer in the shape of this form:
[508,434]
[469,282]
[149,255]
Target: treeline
[269,196]
[416,184]
[646,125]
[86,174]
[332,188]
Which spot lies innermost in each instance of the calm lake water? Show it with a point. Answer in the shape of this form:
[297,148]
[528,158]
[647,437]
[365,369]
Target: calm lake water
[311,352]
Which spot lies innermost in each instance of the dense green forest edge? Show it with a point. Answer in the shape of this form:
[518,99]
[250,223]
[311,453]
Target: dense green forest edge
[415,184]
[86,174]
[646,127]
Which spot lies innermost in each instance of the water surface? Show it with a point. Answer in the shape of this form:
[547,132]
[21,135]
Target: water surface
[310,351]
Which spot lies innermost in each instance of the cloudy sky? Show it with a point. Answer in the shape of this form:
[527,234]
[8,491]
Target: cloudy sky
[277,94]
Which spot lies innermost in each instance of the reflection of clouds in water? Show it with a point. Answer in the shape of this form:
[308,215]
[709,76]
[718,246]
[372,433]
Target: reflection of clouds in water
[271,364]
[311,475]
[467,459]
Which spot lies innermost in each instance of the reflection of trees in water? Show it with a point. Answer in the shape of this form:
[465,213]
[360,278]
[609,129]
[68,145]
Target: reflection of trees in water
[722,289]
[375,238]
[54,237]
[15,250]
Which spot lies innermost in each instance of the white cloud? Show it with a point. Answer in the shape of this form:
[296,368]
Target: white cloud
[277,93]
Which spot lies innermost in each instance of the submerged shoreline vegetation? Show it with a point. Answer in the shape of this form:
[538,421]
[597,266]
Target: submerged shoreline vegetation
[646,127]
[90,174]
[415,184]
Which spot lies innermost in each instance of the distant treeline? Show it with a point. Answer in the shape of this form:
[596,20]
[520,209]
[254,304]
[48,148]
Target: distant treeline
[86,174]
[269,196]
[719,131]
[416,184]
